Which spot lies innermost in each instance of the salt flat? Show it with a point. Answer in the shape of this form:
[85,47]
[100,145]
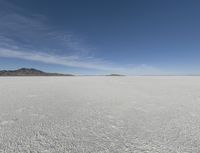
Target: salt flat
[157,114]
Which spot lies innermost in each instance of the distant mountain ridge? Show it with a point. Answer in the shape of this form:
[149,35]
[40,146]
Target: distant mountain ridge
[115,74]
[29,72]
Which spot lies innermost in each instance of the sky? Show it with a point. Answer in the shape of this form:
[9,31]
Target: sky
[132,37]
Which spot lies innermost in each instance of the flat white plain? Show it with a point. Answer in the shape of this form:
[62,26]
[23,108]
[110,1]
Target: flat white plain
[157,114]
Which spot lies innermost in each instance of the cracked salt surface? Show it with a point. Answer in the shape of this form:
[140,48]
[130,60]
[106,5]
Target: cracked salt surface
[100,114]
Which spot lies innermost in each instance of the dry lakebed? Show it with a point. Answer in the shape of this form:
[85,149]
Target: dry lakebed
[100,114]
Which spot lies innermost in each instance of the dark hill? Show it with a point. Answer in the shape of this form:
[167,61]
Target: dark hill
[115,75]
[29,72]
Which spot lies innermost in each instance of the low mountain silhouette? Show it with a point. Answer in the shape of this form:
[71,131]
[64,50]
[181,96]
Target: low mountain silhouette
[115,75]
[29,72]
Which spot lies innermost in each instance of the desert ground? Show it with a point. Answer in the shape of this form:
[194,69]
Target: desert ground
[141,114]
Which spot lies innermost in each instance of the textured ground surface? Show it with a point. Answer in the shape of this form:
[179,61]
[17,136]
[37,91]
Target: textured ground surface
[100,115]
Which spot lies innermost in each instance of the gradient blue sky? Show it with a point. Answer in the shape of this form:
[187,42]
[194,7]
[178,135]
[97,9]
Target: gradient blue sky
[101,36]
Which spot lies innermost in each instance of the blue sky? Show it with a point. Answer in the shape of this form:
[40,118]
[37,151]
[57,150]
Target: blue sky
[99,36]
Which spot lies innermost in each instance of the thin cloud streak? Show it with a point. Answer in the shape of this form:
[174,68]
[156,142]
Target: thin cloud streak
[73,61]
[76,61]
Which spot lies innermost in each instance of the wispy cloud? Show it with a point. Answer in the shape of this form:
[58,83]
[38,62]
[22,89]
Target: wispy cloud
[76,61]
[73,61]
[30,37]
[34,32]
